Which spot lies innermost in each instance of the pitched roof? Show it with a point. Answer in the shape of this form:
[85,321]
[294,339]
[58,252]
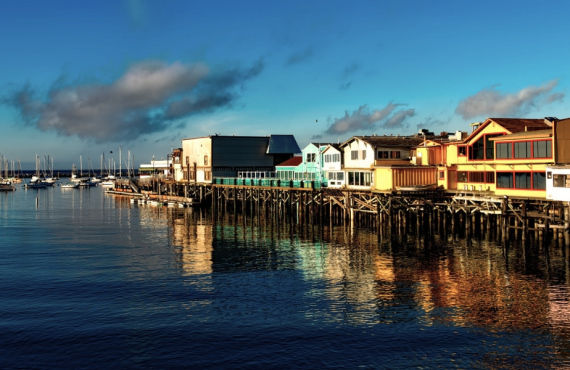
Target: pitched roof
[282,144]
[389,141]
[293,161]
[524,135]
[335,146]
[522,124]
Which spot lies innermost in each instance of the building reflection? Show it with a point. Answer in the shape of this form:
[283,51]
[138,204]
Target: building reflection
[356,281]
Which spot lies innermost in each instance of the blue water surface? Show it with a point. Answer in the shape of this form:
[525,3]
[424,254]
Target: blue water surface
[89,280]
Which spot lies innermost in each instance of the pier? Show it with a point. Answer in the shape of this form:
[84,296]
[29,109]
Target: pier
[394,215]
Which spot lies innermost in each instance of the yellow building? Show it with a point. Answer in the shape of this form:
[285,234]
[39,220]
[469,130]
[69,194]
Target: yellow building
[502,156]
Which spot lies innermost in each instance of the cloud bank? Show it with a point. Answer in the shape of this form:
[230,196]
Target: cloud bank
[363,119]
[491,102]
[149,97]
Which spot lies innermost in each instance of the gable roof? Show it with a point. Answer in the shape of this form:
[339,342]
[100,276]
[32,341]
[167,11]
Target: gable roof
[512,125]
[333,146]
[521,124]
[282,144]
[388,141]
[293,161]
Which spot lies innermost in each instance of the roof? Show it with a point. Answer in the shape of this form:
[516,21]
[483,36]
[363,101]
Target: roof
[513,125]
[282,144]
[389,141]
[294,161]
[524,135]
[334,146]
[522,124]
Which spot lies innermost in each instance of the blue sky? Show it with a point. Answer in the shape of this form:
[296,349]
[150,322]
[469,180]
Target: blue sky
[83,78]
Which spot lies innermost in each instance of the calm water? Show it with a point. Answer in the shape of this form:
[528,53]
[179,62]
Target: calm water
[89,280]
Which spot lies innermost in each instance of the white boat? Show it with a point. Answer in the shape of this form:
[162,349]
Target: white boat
[6,186]
[108,184]
[71,185]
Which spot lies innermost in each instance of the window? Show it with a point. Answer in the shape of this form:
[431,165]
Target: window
[559,181]
[489,147]
[364,154]
[462,150]
[477,150]
[329,158]
[359,178]
[522,180]
[207,175]
[461,176]
[542,149]
[395,154]
[205,160]
[311,157]
[504,179]
[522,149]
[354,154]
[490,177]
[539,180]
[336,176]
[441,175]
[504,150]
[476,176]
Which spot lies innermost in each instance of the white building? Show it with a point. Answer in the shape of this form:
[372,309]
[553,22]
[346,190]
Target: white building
[558,183]
[332,165]
[160,168]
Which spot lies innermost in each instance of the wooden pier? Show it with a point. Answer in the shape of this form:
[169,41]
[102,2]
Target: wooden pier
[394,215]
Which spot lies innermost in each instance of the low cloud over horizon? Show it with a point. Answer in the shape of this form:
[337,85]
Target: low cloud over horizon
[491,102]
[149,97]
[363,119]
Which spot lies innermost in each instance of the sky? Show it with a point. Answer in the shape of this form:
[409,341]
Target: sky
[86,78]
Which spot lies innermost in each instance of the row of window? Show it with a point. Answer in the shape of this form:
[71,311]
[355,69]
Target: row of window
[292,175]
[505,180]
[521,180]
[484,149]
[336,176]
[385,154]
[332,158]
[359,178]
[485,177]
[381,154]
[311,157]
[354,154]
[525,149]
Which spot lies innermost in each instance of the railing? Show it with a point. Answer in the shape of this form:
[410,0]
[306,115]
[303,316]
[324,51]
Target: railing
[269,182]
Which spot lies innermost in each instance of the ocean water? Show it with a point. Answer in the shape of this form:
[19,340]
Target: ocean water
[89,280]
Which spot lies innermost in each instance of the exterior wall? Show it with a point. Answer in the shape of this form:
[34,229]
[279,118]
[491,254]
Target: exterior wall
[429,155]
[194,152]
[561,142]
[312,170]
[360,146]
[391,178]
[383,179]
[492,186]
[332,166]
[333,169]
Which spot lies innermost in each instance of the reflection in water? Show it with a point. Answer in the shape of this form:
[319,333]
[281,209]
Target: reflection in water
[167,287]
[357,281]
